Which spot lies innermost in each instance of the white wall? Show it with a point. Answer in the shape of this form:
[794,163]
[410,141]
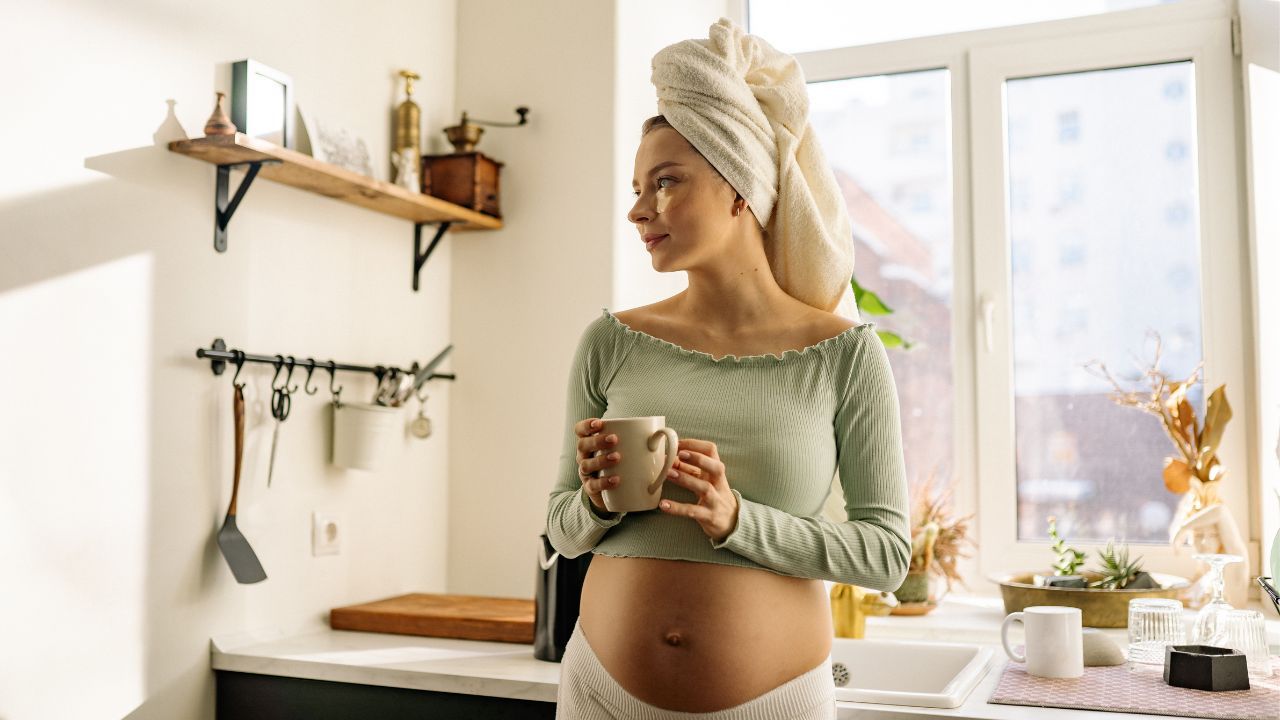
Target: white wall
[1260,62]
[115,440]
[523,295]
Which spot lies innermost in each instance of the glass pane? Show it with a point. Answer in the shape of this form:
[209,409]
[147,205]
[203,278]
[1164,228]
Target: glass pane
[1103,247]
[803,25]
[888,140]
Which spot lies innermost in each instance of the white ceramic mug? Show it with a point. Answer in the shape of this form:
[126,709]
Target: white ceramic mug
[648,449]
[1054,640]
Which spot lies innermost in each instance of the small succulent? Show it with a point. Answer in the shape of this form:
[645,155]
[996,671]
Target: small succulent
[1069,559]
[1117,570]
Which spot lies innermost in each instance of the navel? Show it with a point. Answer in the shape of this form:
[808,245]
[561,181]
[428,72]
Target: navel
[674,639]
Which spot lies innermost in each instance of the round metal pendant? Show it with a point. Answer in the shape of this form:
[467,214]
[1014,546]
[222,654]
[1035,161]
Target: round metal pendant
[421,426]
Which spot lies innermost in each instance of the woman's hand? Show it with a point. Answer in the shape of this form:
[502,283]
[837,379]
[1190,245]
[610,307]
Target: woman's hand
[700,470]
[589,441]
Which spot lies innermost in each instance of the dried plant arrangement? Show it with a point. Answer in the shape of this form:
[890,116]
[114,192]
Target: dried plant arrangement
[937,537]
[1196,467]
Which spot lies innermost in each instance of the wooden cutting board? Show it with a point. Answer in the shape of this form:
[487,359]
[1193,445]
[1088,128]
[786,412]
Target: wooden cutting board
[466,617]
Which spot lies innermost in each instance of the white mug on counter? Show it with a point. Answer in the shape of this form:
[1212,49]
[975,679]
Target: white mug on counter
[1054,640]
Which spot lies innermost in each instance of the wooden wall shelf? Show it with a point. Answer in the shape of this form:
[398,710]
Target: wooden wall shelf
[307,173]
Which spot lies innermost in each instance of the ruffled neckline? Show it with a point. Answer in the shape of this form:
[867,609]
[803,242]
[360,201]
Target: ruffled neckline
[735,359]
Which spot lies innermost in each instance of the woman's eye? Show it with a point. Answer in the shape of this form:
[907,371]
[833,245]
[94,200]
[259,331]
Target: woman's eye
[664,177]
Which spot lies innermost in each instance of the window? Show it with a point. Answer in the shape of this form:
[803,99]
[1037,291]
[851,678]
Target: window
[1062,184]
[1076,449]
[796,26]
[886,137]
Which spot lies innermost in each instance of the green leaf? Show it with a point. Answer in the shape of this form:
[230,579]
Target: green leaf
[892,339]
[868,300]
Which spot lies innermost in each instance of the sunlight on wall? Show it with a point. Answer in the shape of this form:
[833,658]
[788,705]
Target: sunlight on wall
[74,477]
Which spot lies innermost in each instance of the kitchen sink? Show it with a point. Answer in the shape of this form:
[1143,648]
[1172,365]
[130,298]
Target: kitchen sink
[907,672]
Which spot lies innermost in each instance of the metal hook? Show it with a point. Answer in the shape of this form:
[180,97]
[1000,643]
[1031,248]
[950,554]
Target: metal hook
[333,374]
[239,361]
[306,386]
[279,363]
[289,377]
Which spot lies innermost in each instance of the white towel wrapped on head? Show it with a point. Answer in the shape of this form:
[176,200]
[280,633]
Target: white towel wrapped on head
[745,107]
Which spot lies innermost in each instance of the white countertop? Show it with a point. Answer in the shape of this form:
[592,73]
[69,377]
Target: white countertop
[510,670]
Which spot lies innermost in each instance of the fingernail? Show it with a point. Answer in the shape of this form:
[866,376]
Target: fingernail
[595,423]
[613,456]
[613,438]
[684,455]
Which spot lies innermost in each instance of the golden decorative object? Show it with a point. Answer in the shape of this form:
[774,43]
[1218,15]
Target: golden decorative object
[1099,608]
[851,604]
[218,122]
[408,116]
[465,135]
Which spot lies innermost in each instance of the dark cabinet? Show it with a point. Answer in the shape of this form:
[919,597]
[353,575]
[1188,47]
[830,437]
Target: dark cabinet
[250,696]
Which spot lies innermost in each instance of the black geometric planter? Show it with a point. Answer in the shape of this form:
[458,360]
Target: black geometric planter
[1205,667]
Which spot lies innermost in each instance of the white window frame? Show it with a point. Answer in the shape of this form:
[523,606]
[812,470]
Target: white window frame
[978,62]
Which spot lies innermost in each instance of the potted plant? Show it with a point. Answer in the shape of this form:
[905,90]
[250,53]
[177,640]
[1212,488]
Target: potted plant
[1102,595]
[937,541]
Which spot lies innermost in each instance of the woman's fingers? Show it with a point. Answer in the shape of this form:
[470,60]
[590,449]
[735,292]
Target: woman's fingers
[587,426]
[592,464]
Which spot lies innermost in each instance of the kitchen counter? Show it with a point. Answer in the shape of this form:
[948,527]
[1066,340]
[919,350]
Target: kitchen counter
[507,670]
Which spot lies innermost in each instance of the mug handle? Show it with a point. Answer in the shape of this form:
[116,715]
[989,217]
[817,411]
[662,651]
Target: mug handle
[672,441]
[1004,635]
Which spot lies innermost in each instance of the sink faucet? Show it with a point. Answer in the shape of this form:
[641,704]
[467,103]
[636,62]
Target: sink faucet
[851,604]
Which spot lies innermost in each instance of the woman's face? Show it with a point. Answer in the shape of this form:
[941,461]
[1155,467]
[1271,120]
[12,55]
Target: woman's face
[680,195]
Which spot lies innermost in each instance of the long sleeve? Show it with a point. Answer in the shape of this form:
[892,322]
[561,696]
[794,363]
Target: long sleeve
[573,525]
[873,547]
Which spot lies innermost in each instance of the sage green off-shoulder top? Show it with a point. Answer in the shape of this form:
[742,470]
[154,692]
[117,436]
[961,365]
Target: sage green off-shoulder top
[783,425]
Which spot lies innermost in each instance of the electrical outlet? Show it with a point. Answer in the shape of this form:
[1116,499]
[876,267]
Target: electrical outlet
[326,533]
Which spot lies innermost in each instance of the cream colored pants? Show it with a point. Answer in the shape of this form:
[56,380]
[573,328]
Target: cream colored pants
[588,692]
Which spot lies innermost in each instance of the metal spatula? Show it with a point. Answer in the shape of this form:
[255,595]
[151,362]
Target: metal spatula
[235,548]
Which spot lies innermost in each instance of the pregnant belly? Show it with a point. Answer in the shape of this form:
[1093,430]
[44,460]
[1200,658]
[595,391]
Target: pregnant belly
[700,637]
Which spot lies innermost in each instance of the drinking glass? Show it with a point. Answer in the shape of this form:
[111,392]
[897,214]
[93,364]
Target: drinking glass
[1208,619]
[1153,624]
[1245,631]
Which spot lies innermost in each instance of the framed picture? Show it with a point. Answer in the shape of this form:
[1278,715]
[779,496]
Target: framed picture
[330,142]
[262,102]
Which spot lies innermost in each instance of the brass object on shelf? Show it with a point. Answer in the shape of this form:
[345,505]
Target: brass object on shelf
[406,151]
[465,135]
[408,116]
[1098,608]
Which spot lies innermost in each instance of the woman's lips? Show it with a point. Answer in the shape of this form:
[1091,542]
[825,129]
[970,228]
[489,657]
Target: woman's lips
[648,244]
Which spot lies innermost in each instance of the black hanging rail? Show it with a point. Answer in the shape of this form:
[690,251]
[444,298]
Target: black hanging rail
[219,356]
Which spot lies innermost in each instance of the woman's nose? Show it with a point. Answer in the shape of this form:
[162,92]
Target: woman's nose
[640,212]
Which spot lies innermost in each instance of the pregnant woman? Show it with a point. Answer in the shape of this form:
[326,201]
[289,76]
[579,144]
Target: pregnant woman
[712,605]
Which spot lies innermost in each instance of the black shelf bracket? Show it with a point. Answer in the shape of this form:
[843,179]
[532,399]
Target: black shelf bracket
[222,209]
[419,257]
